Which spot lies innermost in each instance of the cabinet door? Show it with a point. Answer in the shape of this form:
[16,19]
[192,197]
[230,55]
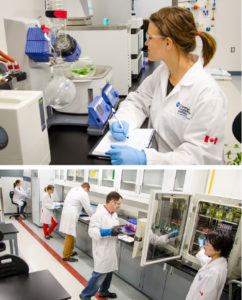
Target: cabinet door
[129,268]
[151,180]
[177,285]
[154,278]
[57,174]
[70,175]
[93,177]
[80,176]
[129,183]
[165,228]
[63,175]
[108,178]
[179,180]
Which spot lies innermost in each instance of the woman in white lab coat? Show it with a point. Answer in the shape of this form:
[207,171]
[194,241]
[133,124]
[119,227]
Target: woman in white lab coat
[47,216]
[184,104]
[209,282]
[19,197]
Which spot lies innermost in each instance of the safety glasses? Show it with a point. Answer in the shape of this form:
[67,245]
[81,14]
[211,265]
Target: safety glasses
[150,37]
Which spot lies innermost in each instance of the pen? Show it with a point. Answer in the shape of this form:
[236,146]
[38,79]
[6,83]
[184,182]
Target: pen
[114,113]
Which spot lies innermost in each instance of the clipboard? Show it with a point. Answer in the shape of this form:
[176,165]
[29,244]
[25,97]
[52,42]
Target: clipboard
[139,138]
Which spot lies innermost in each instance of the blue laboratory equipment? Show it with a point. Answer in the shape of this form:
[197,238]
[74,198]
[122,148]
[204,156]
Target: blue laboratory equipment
[99,112]
[37,46]
[110,96]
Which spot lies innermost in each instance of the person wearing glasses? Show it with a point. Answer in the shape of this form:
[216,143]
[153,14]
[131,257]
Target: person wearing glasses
[209,282]
[184,103]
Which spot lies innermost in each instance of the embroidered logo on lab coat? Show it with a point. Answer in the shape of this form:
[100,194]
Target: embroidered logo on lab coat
[201,293]
[183,111]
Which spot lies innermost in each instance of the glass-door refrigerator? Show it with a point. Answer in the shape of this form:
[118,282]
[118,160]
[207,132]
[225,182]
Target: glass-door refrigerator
[210,213]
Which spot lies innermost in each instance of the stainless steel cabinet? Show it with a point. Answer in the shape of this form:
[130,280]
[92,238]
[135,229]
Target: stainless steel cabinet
[177,284]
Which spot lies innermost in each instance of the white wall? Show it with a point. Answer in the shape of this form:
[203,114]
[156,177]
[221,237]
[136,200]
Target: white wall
[119,11]
[16,8]
[226,31]
[227,183]
[144,8]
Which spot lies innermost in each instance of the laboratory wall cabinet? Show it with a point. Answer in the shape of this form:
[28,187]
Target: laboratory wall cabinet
[134,184]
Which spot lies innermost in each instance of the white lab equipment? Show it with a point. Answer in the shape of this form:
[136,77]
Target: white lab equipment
[23,129]
[39,74]
[87,88]
[139,237]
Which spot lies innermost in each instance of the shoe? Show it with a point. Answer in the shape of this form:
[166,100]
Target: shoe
[108,295]
[70,259]
[22,216]
[47,237]
[74,253]
[80,296]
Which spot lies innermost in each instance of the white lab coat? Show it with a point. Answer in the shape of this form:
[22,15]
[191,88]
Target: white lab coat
[209,282]
[47,209]
[189,122]
[104,249]
[19,195]
[75,200]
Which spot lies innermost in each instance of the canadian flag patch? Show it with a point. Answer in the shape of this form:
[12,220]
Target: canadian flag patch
[201,293]
[207,139]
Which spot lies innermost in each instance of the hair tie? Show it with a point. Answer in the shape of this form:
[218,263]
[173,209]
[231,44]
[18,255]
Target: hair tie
[198,32]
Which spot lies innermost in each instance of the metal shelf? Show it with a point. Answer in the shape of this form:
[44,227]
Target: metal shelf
[218,219]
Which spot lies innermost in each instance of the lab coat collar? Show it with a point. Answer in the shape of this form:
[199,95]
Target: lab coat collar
[216,262]
[189,78]
[111,213]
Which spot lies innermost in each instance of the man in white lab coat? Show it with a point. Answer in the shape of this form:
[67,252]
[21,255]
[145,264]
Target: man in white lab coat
[209,282]
[76,199]
[103,229]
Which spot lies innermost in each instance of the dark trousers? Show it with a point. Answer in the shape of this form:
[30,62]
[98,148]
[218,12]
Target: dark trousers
[22,207]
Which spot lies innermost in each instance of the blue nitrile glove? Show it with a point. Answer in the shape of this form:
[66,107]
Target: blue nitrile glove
[118,132]
[125,155]
[173,233]
[106,232]
[56,206]
[112,231]
[201,242]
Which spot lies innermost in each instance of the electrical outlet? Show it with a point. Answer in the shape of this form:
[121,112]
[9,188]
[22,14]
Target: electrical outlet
[232,49]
